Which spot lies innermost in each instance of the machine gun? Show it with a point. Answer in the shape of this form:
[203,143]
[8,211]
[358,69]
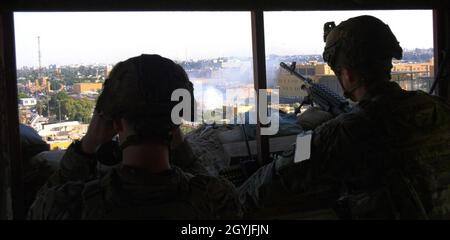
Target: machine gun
[321,95]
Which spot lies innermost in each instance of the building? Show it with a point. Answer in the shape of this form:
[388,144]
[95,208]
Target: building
[410,76]
[87,87]
[28,102]
[413,76]
[39,85]
[290,86]
[108,69]
[323,69]
[425,69]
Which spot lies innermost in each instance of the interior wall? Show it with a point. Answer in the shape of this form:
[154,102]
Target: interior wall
[8,118]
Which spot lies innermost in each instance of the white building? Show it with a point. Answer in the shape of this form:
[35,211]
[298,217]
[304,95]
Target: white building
[27,101]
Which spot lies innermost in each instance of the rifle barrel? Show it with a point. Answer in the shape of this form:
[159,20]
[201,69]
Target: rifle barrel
[322,95]
[292,71]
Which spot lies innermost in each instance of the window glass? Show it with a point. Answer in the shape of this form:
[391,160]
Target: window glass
[63,59]
[298,36]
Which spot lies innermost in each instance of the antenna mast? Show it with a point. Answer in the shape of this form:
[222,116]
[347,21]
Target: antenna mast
[39,56]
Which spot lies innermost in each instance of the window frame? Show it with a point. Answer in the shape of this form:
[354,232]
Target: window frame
[11,168]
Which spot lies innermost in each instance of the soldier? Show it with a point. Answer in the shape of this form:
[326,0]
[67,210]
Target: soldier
[136,105]
[388,158]
[36,170]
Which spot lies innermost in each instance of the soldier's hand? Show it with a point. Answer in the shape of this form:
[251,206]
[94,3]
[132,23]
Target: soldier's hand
[100,131]
[177,138]
[313,117]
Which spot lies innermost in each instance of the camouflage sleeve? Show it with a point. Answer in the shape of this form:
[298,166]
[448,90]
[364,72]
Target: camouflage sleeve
[183,157]
[277,182]
[60,197]
[74,166]
[255,192]
[61,202]
[216,196]
[329,147]
[270,194]
[224,199]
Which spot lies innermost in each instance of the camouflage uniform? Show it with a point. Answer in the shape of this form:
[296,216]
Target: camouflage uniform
[36,170]
[388,158]
[138,92]
[74,192]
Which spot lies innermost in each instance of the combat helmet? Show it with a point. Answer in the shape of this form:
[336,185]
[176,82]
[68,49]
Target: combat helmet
[139,90]
[364,43]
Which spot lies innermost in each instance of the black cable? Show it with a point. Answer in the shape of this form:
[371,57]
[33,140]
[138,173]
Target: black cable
[440,70]
[246,140]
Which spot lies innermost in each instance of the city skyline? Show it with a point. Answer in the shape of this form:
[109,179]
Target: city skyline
[93,38]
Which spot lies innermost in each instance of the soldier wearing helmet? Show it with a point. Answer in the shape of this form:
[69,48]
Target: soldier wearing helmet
[364,45]
[136,105]
[388,158]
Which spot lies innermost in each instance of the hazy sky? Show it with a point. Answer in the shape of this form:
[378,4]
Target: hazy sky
[108,37]
[302,32]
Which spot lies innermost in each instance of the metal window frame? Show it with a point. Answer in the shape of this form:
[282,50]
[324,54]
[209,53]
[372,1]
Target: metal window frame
[11,175]
[441,41]
[260,81]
